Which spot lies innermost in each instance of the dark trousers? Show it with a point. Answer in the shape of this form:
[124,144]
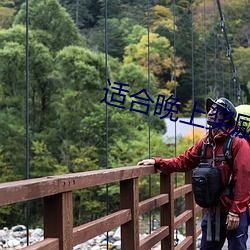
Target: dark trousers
[237,238]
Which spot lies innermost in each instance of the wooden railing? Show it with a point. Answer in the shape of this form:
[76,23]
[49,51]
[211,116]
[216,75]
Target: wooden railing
[56,192]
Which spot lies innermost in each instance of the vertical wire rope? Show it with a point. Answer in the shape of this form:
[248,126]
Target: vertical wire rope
[174,59]
[229,83]
[175,94]
[205,50]
[223,77]
[235,89]
[77,13]
[215,52]
[221,64]
[107,125]
[230,56]
[222,69]
[192,28]
[149,123]
[27,207]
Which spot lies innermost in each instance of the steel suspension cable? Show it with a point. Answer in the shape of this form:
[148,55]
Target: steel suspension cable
[149,122]
[192,74]
[222,45]
[174,62]
[229,83]
[107,111]
[215,52]
[222,70]
[175,95]
[229,54]
[205,49]
[27,207]
[77,13]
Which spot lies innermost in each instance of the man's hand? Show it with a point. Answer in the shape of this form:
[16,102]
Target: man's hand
[232,221]
[146,162]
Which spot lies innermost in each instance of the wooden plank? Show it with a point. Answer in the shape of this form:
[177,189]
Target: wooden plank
[182,218]
[90,230]
[190,205]
[198,208]
[98,177]
[152,203]
[154,238]
[58,219]
[129,196]
[178,192]
[24,190]
[185,244]
[198,231]
[46,244]
[167,210]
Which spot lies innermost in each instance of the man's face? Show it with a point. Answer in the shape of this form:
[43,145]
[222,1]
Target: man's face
[214,115]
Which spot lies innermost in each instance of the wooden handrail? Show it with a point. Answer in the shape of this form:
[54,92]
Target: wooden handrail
[58,208]
[24,190]
[51,244]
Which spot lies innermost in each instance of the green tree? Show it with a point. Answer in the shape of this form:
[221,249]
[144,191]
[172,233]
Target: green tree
[241,56]
[6,17]
[13,148]
[117,32]
[84,13]
[53,25]
[13,60]
[78,73]
[42,163]
[12,108]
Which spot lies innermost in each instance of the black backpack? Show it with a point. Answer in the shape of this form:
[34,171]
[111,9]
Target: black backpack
[206,179]
[206,184]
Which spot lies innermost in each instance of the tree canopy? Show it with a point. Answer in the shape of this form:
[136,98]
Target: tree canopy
[74,48]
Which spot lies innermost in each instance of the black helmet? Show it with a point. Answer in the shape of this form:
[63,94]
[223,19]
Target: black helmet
[222,102]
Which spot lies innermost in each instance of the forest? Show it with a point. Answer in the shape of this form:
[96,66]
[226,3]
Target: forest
[79,52]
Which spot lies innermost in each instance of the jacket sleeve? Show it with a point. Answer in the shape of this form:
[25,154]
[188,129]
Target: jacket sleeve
[185,162]
[241,174]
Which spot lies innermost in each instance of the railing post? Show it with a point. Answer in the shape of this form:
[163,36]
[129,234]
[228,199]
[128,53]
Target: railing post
[58,219]
[190,205]
[129,198]
[167,210]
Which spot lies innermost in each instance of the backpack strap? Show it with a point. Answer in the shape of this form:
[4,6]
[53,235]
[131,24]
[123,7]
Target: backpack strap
[203,152]
[227,150]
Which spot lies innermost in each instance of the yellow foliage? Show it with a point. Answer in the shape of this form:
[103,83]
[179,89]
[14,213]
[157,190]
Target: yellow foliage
[194,134]
[189,139]
[6,17]
[165,92]
[160,53]
[161,15]
[161,12]
[161,58]
[187,110]
[171,85]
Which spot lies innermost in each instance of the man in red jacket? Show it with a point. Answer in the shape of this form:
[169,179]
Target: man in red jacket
[233,212]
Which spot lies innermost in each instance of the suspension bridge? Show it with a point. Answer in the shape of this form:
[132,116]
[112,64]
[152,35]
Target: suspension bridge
[56,192]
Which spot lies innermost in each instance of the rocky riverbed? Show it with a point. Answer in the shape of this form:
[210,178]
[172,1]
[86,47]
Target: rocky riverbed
[16,238]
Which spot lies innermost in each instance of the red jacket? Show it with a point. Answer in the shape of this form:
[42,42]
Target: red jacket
[241,168]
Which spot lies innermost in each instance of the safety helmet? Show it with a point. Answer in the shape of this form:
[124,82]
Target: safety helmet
[223,103]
